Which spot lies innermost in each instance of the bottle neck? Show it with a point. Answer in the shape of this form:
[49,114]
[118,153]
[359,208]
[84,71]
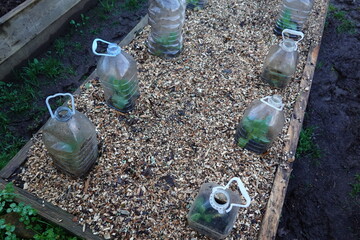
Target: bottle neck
[63,114]
[288,45]
[113,49]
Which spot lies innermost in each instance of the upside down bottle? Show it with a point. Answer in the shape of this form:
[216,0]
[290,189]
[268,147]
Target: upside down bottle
[280,63]
[117,72]
[261,124]
[293,15]
[166,18]
[70,139]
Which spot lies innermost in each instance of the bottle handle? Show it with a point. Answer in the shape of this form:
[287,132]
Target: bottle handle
[243,192]
[266,101]
[60,94]
[293,32]
[95,45]
[222,208]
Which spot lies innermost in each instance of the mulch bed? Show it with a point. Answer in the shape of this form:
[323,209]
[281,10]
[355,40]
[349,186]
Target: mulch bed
[153,161]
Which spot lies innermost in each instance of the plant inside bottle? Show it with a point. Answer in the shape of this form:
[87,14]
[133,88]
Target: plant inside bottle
[204,214]
[123,97]
[252,134]
[274,77]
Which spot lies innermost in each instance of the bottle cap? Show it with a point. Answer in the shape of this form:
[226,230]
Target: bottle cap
[226,207]
[62,114]
[112,50]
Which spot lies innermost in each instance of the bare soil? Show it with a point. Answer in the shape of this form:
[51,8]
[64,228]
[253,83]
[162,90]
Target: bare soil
[319,204]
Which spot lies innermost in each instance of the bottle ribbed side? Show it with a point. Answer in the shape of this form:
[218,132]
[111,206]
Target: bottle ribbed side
[242,140]
[291,17]
[79,161]
[275,78]
[165,39]
[121,94]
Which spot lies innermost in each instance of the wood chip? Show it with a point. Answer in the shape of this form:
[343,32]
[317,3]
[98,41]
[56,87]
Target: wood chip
[153,161]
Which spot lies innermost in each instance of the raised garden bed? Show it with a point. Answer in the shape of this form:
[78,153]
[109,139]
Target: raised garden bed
[30,25]
[154,160]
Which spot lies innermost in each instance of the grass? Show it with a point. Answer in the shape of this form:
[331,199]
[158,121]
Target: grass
[355,191]
[107,5]
[19,99]
[78,26]
[344,24]
[306,144]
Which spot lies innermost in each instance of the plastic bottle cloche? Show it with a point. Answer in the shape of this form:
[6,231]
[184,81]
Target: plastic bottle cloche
[70,139]
[261,124]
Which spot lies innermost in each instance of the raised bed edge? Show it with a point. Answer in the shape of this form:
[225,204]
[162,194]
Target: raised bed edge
[51,213]
[45,209]
[19,44]
[21,156]
[274,206]
[270,221]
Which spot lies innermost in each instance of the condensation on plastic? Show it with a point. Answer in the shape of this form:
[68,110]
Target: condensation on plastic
[293,15]
[166,18]
[261,124]
[117,72]
[71,141]
[280,63]
[212,218]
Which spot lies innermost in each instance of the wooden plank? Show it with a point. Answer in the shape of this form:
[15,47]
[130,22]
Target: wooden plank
[272,215]
[52,213]
[31,26]
[16,161]
[270,221]
[16,11]
[21,156]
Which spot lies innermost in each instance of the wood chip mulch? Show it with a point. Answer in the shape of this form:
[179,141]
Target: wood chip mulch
[153,161]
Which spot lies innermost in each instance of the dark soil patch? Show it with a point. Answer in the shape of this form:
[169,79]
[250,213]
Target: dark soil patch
[7,5]
[62,67]
[322,201]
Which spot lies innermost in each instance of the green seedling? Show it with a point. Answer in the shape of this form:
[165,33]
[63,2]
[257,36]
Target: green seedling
[40,229]
[256,130]
[286,22]
[107,5]
[344,25]
[59,46]
[355,186]
[77,26]
[123,90]
[167,40]
[202,214]
[306,145]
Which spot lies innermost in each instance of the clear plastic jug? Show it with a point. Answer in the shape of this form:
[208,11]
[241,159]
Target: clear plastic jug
[70,139]
[117,72]
[215,208]
[166,18]
[280,63]
[293,15]
[261,124]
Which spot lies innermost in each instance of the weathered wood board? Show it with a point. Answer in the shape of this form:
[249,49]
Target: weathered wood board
[273,211]
[31,25]
[51,213]
[45,209]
